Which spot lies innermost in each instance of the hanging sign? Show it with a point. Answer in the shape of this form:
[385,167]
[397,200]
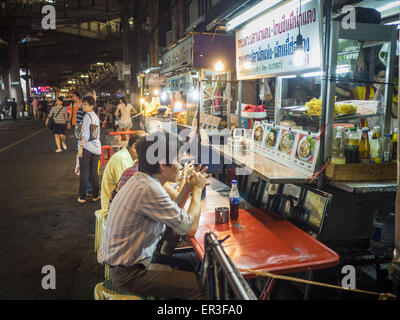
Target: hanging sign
[178,57]
[266,46]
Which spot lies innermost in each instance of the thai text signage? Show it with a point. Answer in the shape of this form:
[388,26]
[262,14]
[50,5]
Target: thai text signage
[266,46]
[178,57]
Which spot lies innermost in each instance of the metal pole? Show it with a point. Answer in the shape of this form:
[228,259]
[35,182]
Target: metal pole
[328,15]
[240,104]
[330,101]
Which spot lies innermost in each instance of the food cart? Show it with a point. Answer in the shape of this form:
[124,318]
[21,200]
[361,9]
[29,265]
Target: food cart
[292,152]
[199,71]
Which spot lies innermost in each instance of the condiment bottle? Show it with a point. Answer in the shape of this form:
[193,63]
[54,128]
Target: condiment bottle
[364,147]
[387,147]
[338,154]
[353,147]
[376,146]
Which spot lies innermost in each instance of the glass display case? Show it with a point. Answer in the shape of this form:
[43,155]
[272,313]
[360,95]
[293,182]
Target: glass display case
[215,93]
[361,88]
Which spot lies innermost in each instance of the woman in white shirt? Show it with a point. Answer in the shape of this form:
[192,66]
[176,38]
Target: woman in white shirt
[126,111]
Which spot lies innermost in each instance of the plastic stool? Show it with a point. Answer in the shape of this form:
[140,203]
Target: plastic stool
[107,291]
[110,152]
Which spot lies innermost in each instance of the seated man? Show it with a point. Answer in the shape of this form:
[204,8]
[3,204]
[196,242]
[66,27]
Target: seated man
[138,218]
[118,163]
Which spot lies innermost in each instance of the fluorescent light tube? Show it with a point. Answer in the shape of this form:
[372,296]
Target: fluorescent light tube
[251,13]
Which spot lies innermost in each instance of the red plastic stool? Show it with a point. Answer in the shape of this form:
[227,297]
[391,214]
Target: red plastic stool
[110,152]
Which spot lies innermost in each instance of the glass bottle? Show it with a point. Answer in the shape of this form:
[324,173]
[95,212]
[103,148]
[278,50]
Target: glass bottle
[353,146]
[234,201]
[338,149]
[364,147]
[387,147]
[376,146]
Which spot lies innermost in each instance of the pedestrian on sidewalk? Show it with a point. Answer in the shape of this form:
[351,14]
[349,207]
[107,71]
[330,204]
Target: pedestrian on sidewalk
[35,106]
[60,116]
[126,110]
[14,109]
[89,150]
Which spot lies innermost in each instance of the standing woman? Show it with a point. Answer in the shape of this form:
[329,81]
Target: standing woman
[35,105]
[126,110]
[60,116]
[89,151]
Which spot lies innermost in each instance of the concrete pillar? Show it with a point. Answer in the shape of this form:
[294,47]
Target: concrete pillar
[15,84]
[125,48]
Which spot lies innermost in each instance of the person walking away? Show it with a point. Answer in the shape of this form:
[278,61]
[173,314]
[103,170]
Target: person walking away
[76,105]
[35,106]
[126,111]
[14,109]
[60,116]
[89,150]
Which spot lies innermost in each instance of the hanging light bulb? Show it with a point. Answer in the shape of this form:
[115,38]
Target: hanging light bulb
[298,58]
[164,96]
[156,92]
[219,66]
[195,95]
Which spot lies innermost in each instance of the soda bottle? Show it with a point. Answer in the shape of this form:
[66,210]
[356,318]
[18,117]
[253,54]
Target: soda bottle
[364,147]
[387,147]
[234,201]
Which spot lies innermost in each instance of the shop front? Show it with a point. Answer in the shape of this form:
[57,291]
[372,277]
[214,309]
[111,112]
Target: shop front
[299,166]
[199,73]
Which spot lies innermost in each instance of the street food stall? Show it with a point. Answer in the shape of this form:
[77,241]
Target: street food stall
[199,70]
[295,168]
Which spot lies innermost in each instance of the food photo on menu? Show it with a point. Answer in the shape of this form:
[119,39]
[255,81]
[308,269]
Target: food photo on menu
[271,138]
[287,141]
[258,133]
[307,147]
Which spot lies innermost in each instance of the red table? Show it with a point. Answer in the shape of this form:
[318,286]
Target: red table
[265,242]
[117,133]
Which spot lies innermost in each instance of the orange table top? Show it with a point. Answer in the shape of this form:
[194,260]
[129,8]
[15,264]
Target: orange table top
[265,242]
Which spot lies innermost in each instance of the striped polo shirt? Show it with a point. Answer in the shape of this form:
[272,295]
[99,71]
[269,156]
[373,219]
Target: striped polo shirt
[61,116]
[137,220]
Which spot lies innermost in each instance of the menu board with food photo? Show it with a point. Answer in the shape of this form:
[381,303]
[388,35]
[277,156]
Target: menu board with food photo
[271,137]
[287,143]
[307,150]
[258,134]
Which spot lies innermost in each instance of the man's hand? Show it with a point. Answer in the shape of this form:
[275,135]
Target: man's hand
[80,152]
[197,180]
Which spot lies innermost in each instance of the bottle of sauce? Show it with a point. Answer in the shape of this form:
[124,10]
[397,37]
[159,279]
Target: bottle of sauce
[376,146]
[353,147]
[387,147]
[338,149]
[394,141]
[364,148]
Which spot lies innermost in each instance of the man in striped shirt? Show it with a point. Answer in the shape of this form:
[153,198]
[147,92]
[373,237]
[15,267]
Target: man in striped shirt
[137,221]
